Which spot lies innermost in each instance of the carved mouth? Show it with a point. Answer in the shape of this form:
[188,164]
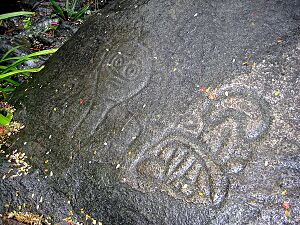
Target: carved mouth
[176,167]
[115,82]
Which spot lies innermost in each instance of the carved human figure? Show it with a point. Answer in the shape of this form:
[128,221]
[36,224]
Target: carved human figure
[118,76]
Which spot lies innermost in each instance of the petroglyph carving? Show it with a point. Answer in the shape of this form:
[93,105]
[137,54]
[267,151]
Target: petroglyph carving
[123,70]
[233,121]
[179,168]
[118,77]
[194,157]
[240,104]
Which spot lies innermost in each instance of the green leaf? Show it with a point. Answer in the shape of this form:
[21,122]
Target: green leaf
[9,116]
[17,58]
[7,71]
[4,92]
[9,51]
[58,9]
[34,54]
[5,120]
[9,74]
[13,58]
[12,82]
[8,89]
[28,57]
[3,67]
[67,6]
[80,13]
[43,52]
[14,14]
[74,3]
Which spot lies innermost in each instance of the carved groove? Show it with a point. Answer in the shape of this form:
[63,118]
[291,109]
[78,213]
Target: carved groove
[193,158]
[117,78]
[177,168]
[232,123]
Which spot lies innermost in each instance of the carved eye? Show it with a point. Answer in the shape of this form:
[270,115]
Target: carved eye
[118,61]
[131,71]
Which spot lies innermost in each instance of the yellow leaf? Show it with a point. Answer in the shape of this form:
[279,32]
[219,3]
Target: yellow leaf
[67,219]
[212,96]
[287,213]
[207,90]
[276,93]
[11,214]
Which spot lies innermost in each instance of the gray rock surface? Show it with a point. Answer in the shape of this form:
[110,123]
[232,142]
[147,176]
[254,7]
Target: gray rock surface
[118,123]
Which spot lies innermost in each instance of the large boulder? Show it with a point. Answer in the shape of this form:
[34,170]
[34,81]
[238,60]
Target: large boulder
[165,112]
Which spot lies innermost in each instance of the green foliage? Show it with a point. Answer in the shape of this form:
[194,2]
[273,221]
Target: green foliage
[69,11]
[6,114]
[5,120]
[27,23]
[9,67]
[58,10]
[52,26]
[14,14]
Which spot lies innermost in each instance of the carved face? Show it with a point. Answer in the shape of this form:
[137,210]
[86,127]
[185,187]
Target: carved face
[121,76]
[117,77]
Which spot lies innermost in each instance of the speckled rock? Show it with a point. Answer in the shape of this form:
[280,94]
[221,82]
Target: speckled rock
[166,112]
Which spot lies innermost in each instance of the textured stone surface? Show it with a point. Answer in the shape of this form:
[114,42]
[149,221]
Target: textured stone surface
[128,136]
